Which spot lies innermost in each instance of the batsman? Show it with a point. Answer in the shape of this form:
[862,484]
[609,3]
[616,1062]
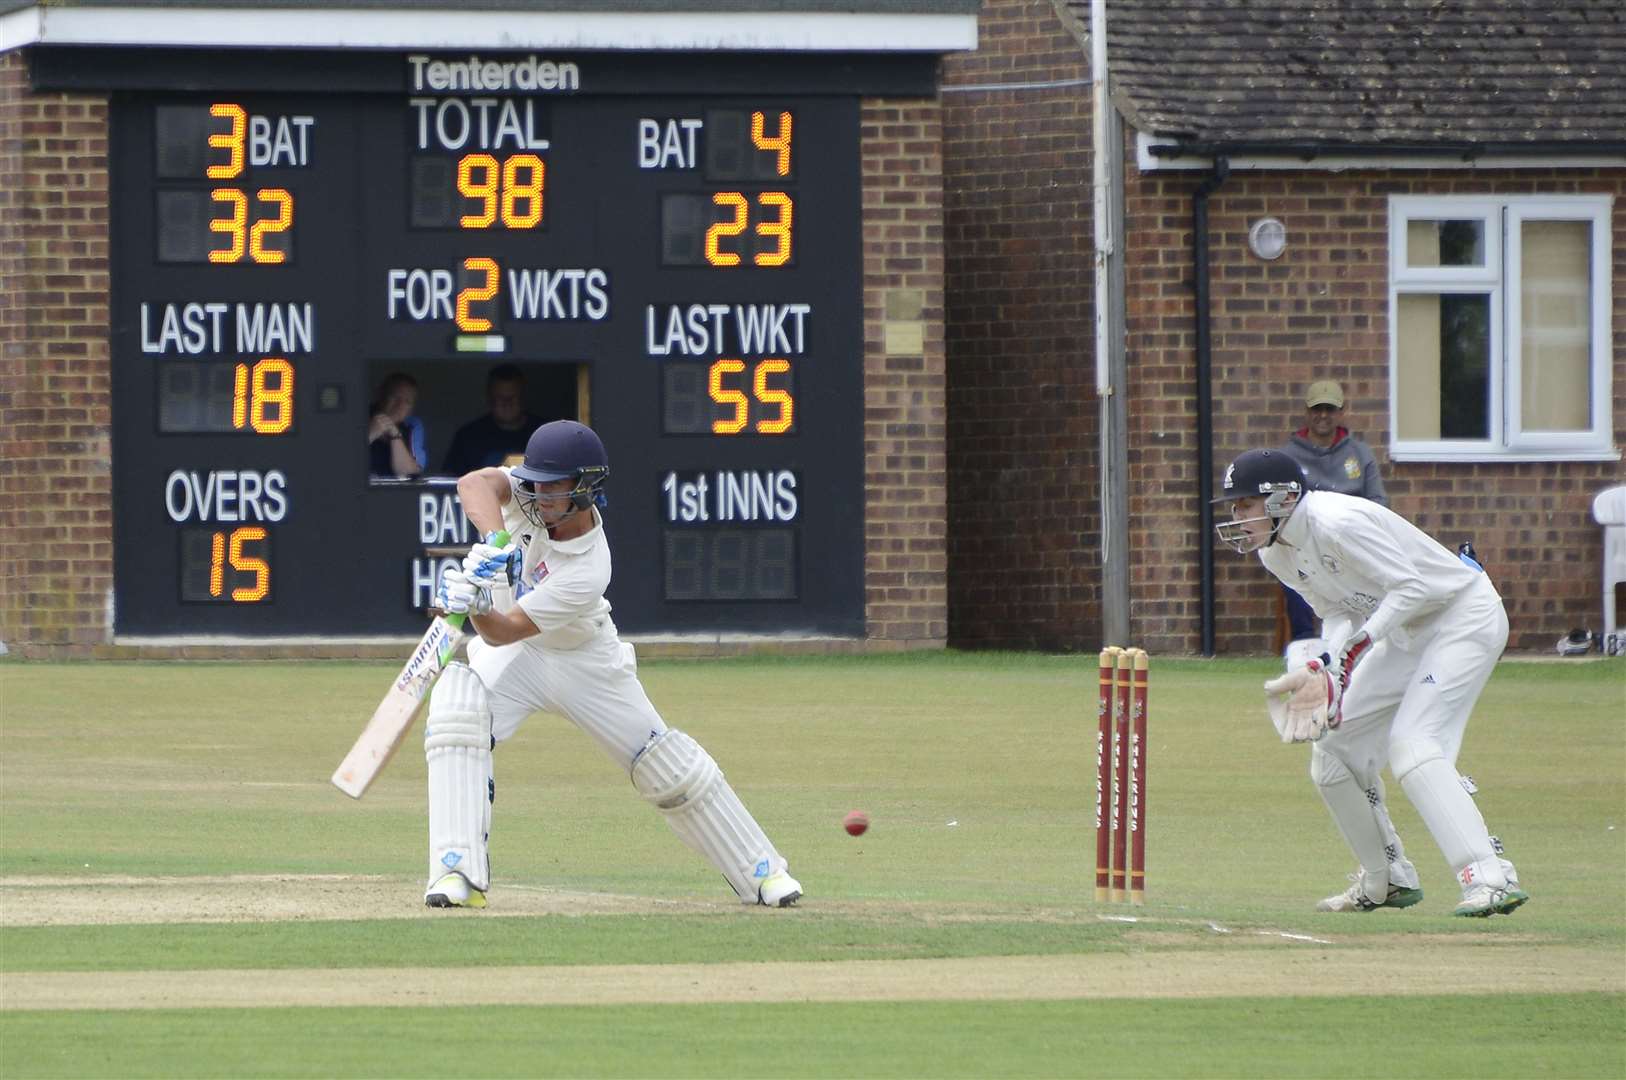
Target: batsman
[1414,632]
[546,641]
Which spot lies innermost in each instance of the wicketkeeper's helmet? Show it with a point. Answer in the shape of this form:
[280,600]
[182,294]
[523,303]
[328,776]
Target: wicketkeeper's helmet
[1261,472]
[1271,473]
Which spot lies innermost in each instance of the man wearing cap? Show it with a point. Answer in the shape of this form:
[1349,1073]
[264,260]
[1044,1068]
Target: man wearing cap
[1333,460]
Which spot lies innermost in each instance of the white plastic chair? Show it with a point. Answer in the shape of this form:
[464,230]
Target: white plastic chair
[1609,509]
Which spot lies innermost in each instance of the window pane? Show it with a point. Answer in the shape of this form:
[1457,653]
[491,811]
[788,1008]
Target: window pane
[1445,243]
[1444,366]
[1555,341]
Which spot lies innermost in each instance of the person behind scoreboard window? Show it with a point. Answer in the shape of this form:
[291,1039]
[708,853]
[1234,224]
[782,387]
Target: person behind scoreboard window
[546,641]
[395,437]
[1333,460]
[501,433]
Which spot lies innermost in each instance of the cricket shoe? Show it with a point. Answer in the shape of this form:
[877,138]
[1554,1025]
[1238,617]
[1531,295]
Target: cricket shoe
[779,890]
[454,890]
[1483,901]
[1354,898]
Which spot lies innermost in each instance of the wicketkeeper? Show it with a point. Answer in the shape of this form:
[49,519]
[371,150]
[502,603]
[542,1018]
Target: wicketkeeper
[546,641]
[1413,632]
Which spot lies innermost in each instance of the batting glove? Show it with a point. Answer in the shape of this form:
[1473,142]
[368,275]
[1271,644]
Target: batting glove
[490,563]
[461,595]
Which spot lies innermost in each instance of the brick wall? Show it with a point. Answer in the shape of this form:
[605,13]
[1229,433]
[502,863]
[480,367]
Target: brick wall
[1023,443]
[905,566]
[1322,311]
[56,546]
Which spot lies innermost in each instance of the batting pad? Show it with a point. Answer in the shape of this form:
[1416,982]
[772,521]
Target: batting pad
[677,775]
[457,747]
[1436,790]
[1356,818]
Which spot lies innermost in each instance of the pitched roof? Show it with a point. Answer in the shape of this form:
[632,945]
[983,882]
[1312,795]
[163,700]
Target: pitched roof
[1307,75]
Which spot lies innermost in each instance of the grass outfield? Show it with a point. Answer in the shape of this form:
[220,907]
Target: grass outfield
[1525,1036]
[977,771]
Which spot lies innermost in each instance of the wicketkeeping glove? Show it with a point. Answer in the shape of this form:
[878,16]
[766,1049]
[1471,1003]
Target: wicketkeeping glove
[490,562]
[1350,654]
[1304,703]
[461,595]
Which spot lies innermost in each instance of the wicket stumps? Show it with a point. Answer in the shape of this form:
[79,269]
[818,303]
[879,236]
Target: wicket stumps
[1120,777]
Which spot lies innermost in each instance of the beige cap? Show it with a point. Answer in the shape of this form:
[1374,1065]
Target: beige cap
[1325,392]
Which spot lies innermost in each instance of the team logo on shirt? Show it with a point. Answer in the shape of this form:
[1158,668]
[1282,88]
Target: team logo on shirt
[1352,467]
[1360,603]
[1330,563]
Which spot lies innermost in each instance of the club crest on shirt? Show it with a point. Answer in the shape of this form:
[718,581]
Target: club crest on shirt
[1352,467]
[1330,563]
[1360,603]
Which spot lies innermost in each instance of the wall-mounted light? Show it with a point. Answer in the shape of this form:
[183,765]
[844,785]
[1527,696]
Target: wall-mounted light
[1268,238]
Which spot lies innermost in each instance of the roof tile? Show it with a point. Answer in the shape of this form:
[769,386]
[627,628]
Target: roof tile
[1370,73]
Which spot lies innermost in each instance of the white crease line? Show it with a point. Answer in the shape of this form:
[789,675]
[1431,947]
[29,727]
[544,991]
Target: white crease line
[1292,937]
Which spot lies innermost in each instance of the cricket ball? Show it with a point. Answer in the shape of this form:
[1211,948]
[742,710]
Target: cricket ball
[856,823]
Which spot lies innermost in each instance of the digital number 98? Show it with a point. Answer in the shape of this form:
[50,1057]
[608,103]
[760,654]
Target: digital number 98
[511,190]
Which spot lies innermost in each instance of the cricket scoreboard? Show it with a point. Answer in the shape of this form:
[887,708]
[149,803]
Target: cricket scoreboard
[687,265]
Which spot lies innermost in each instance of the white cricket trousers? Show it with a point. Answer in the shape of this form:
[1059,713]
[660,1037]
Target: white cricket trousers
[1422,685]
[595,687]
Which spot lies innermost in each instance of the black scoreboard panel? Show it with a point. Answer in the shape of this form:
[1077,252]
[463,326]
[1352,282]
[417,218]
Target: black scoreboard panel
[691,264]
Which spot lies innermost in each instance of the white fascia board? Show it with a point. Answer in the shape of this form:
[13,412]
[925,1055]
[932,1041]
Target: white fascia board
[1149,162]
[19,28]
[375,29]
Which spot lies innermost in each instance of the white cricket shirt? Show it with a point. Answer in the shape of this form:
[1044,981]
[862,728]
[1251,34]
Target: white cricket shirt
[1362,564]
[562,582]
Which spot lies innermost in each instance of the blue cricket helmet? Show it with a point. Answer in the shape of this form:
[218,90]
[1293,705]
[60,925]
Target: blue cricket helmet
[566,450]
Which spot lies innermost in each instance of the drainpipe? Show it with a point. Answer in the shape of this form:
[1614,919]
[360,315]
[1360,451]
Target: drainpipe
[1205,397]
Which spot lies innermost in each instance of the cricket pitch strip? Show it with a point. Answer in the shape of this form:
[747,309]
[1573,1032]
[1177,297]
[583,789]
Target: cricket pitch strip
[1311,958]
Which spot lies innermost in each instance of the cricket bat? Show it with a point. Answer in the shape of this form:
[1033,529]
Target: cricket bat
[394,716]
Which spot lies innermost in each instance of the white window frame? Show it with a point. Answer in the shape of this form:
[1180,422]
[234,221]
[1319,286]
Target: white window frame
[1506,439]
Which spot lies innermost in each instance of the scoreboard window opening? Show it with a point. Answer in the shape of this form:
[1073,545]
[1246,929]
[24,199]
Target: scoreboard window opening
[730,564]
[464,405]
[729,397]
